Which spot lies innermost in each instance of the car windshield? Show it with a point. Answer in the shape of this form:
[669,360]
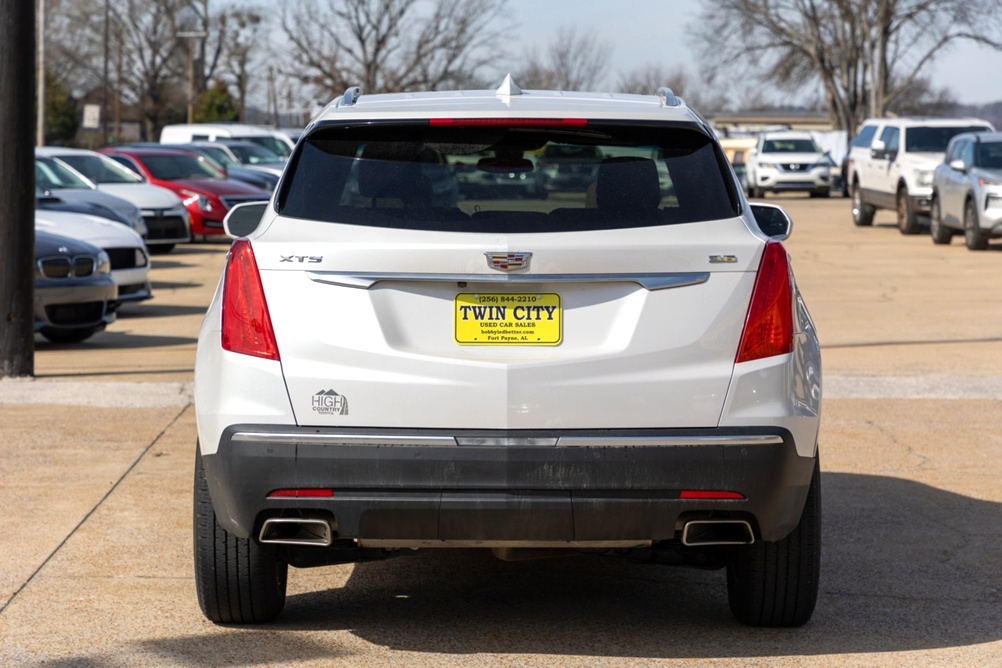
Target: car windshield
[100,169]
[273,144]
[217,155]
[180,166]
[252,154]
[501,178]
[989,155]
[934,140]
[51,174]
[789,146]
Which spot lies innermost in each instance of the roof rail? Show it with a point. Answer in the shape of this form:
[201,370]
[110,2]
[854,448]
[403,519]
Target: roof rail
[350,96]
[667,97]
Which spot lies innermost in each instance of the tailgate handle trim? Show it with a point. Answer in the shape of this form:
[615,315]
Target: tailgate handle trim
[365,280]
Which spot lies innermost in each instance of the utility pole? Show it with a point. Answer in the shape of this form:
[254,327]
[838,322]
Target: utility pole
[17,183]
[40,129]
[191,36]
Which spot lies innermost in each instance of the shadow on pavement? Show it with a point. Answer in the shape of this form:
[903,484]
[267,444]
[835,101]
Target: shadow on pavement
[112,339]
[906,567]
[154,310]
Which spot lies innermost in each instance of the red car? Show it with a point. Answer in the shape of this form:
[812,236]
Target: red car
[206,192]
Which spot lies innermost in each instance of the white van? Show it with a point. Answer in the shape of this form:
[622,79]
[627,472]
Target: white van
[186,133]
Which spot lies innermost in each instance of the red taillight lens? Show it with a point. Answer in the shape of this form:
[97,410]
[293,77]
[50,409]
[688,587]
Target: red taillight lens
[307,493]
[710,494]
[246,323]
[769,325]
[509,122]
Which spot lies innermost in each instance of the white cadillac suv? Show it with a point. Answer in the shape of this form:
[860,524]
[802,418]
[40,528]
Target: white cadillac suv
[391,362]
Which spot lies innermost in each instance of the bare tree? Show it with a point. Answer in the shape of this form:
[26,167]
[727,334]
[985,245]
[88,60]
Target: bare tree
[866,54]
[241,39]
[154,58]
[572,62]
[385,45]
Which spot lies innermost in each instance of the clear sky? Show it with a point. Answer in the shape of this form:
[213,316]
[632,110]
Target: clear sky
[656,31]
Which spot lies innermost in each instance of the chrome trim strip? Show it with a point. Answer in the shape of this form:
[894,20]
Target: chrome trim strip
[667,441]
[339,439]
[366,280]
[563,441]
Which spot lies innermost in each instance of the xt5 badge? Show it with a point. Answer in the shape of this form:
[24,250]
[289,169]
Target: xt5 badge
[312,259]
[329,402]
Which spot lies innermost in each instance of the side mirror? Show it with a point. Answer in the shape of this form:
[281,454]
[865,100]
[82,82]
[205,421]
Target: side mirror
[773,221]
[878,149]
[958,165]
[243,219]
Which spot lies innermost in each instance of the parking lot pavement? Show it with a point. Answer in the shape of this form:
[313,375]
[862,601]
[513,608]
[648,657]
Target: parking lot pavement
[95,566]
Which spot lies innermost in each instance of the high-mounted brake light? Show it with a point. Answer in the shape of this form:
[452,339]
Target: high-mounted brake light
[769,324]
[246,322]
[509,122]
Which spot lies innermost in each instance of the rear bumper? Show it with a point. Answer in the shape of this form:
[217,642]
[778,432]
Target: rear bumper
[423,486]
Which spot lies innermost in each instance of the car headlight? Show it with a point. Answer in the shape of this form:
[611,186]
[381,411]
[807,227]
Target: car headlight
[767,165]
[103,263]
[923,178]
[137,223]
[141,258]
[985,181]
[204,203]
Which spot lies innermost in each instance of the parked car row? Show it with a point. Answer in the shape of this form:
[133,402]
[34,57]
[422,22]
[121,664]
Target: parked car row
[100,215]
[891,164]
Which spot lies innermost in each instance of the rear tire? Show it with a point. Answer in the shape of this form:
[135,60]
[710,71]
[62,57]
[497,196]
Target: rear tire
[238,581]
[974,236]
[776,583]
[862,214]
[939,232]
[907,218]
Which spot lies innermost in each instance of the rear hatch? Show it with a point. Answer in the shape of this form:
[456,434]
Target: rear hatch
[620,306]
[611,329]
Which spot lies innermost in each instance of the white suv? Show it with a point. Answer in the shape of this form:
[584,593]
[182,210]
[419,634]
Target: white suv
[625,368]
[788,161]
[891,162]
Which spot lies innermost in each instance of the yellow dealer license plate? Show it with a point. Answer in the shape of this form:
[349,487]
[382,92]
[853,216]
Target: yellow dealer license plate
[508,319]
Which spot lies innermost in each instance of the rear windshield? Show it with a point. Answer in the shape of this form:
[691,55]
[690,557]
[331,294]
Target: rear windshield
[509,178]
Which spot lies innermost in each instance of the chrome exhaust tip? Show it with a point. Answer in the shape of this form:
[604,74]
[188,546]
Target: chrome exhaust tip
[717,532]
[296,531]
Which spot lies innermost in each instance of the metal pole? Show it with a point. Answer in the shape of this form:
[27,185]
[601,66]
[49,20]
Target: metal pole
[191,35]
[191,81]
[17,183]
[40,130]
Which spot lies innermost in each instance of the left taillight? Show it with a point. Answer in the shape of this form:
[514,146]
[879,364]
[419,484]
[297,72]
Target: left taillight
[246,323]
[769,323]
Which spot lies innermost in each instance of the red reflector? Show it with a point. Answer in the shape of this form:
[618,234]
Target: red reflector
[246,323]
[709,494]
[301,494]
[769,324]
[509,122]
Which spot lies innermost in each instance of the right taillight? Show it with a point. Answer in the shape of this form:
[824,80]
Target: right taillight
[246,323]
[769,324]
